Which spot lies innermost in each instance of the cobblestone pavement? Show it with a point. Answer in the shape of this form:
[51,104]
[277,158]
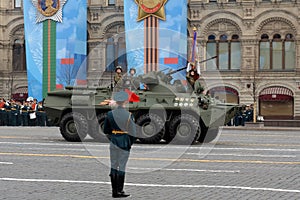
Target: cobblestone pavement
[36,163]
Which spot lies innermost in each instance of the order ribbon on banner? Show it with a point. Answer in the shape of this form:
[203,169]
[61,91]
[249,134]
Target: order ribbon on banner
[156,34]
[55,37]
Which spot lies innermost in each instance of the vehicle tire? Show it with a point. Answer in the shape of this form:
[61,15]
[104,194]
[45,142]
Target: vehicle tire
[184,129]
[208,135]
[96,129]
[73,127]
[150,129]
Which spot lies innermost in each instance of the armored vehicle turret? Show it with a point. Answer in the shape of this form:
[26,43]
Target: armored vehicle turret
[164,109]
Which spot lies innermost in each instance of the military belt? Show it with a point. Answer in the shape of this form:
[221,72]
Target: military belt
[119,132]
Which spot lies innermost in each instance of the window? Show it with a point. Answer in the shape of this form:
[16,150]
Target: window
[277,53]
[110,55]
[111,2]
[19,56]
[235,53]
[227,50]
[116,54]
[289,52]
[18,3]
[211,49]
[223,53]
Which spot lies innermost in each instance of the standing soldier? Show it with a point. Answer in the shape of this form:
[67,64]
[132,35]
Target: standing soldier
[118,75]
[2,112]
[24,113]
[119,125]
[32,112]
[40,114]
[18,107]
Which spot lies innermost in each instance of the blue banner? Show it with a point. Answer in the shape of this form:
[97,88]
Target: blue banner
[172,33]
[70,40]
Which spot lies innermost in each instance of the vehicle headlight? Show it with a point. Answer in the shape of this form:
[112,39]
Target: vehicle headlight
[200,101]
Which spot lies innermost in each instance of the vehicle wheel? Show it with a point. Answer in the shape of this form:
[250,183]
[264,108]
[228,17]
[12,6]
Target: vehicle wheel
[208,135]
[73,127]
[150,129]
[96,129]
[184,129]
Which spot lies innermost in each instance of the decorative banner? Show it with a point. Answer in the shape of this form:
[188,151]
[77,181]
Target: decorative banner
[156,34]
[55,37]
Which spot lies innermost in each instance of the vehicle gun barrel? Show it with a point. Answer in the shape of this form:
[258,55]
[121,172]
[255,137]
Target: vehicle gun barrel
[180,69]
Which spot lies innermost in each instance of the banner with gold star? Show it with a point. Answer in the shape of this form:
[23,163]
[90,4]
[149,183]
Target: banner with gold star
[55,38]
[156,34]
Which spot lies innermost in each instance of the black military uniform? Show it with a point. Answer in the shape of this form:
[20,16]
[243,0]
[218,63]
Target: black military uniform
[120,127]
[25,116]
[40,114]
[2,112]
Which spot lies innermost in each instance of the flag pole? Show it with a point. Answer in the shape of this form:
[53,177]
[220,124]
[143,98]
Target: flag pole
[194,45]
[192,56]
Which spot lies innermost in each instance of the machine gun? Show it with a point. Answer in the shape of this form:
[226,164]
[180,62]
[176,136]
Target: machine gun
[180,69]
[167,77]
[153,77]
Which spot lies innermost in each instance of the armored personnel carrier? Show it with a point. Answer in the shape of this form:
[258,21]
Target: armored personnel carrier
[163,110]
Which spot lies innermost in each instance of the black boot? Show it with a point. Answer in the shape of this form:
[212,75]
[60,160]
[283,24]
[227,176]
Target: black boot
[121,179]
[114,185]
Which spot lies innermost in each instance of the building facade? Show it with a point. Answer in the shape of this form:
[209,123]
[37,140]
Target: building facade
[256,41]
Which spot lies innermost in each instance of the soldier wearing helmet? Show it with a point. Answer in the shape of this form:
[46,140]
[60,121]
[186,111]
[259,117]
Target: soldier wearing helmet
[118,75]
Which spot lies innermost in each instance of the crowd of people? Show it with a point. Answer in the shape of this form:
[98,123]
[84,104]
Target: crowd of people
[242,116]
[29,112]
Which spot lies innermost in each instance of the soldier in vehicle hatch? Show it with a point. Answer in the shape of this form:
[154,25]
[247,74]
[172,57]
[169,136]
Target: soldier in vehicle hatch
[118,75]
[120,127]
[191,77]
[131,81]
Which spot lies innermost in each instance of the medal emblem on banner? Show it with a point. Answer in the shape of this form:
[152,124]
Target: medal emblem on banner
[49,9]
[151,7]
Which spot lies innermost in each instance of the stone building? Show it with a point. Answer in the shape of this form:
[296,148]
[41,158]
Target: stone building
[257,43]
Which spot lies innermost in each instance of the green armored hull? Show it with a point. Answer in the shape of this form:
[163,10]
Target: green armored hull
[164,111]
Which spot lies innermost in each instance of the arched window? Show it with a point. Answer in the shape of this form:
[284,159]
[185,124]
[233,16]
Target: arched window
[110,55]
[122,61]
[211,49]
[277,53]
[235,53]
[289,52]
[116,54]
[228,52]
[264,47]
[19,58]
[223,53]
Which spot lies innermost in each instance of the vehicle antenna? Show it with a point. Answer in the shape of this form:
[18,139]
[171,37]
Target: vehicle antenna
[111,79]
